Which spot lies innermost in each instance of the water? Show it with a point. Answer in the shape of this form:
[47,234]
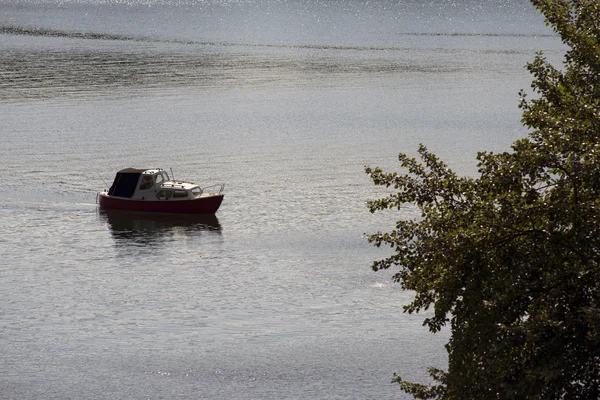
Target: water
[283,101]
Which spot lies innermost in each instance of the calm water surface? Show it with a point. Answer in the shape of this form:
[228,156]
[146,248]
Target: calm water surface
[283,101]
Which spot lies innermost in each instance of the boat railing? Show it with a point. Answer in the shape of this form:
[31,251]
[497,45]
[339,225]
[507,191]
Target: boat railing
[212,189]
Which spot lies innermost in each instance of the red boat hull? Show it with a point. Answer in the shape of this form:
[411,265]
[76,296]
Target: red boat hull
[202,205]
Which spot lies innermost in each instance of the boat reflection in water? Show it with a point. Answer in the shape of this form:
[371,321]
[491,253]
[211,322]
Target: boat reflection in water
[150,228]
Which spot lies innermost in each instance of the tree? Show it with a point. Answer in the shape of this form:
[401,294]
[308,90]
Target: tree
[510,259]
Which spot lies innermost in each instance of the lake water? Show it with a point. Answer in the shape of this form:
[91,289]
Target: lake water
[283,101]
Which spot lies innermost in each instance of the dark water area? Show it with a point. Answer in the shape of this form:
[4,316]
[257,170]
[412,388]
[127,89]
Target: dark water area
[284,102]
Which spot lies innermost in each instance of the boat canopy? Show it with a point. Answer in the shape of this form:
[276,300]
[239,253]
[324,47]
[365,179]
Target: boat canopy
[133,170]
[125,182]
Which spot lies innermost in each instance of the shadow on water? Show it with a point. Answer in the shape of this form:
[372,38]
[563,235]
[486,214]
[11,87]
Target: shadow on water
[144,228]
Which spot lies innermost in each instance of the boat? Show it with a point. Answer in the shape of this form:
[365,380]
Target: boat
[153,191]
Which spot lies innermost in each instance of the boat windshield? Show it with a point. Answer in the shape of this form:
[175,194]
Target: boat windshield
[161,177]
[146,182]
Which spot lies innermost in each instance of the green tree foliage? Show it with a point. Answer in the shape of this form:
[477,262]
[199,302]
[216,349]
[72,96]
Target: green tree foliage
[511,259]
